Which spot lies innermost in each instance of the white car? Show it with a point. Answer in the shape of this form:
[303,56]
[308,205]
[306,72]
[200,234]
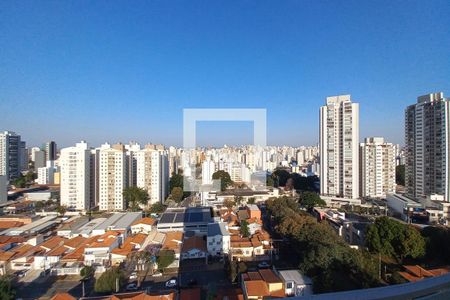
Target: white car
[157,274]
[133,276]
[171,283]
[131,287]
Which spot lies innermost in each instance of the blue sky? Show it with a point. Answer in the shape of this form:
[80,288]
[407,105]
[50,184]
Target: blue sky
[120,71]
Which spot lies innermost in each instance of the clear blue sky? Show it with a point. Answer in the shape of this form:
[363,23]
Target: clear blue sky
[119,70]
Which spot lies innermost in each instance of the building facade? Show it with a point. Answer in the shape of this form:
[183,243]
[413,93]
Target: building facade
[10,145]
[75,176]
[339,148]
[112,177]
[427,147]
[153,174]
[377,162]
[50,151]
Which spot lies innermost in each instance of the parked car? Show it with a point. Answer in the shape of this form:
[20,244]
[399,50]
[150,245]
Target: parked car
[22,273]
[171,283]
[157,274]
[263,265]
[133,276]
[131,287]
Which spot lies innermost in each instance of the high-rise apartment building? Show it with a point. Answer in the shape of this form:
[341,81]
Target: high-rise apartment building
[427,147]
[208,169]
[377,163]
[38,158]
[50,151]
[46,175]
[339,148]
[3,189]
[112,177]
[75,176]
[153,173]
[10,162]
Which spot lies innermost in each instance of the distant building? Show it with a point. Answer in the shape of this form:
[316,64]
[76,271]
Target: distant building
[10,164]
[112,177]
[38,157]
[427,130]
[339,148]
[50,151]
[3,189]
[377,160]
[46,174]
[208,169]
[75,176]
[153,174]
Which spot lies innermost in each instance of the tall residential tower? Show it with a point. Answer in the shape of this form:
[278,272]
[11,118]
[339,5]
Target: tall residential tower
[427,147]
[339,148]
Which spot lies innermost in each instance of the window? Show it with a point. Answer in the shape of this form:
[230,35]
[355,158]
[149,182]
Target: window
[289,285]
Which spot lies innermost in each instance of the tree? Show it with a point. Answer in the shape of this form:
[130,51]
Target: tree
[251,200]
[176,181]
[225,179]
[177,194]
[87,272]
[107,282]
[157,208]
[394,239]
[228,203]
[135,197]
[61,209]
[245,231]
[30,177]
[437,243]
[400,174]
[318,251]
[20,182]
[311,200]
[280,177]
[39,205]
[7,292]
[164,259]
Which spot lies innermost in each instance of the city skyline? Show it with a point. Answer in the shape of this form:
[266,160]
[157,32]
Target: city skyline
[98,77]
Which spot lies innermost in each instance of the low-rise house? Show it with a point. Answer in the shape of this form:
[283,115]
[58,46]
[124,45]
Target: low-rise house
[218,239]
[99,251]
[173,241]
[257,247]
[53,250]
[415,273]
[264,284]
[253,211]
[194,247]
[130,245]
[295,283]
[144,225]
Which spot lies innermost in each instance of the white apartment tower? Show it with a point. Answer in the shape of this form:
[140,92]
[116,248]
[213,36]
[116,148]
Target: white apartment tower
[208,169]
[153,174]
[10,145]
[427,147]
[75,176]
[377,162]
[112,177]
[339,148]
